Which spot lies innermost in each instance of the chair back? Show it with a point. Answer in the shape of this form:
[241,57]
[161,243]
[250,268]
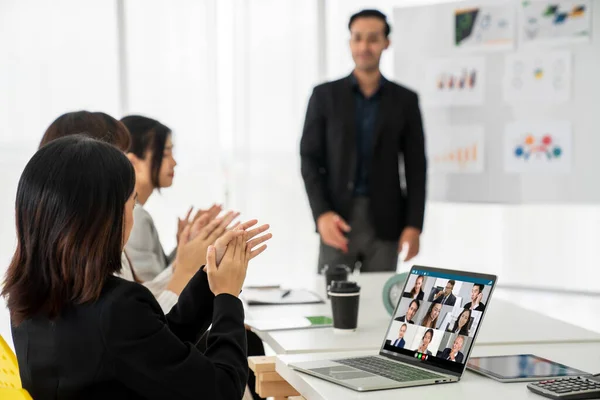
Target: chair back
[10,380]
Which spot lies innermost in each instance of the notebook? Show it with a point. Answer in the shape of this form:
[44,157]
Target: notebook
[285,323]
[279,296]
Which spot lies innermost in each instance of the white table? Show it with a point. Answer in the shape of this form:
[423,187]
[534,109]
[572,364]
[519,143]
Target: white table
[504,323]
[584,356]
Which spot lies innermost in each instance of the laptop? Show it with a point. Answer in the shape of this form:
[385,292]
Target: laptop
[426,342]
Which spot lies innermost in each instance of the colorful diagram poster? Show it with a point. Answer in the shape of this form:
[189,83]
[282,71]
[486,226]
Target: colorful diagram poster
[550,22]
[485,27]
[454,82]
[459,149]
[538,147]
[538,78]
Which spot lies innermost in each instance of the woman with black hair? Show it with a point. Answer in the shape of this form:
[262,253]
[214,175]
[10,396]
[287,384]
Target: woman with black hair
[427,338]
[167,286]
[461,326]
[81,332]
[151,153]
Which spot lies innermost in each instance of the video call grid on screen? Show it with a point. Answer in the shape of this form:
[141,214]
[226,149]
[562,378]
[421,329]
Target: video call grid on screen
[446,320]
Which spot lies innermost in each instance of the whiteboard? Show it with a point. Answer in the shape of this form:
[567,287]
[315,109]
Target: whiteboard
[423,33]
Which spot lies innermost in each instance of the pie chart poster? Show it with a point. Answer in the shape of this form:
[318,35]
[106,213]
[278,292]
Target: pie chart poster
[538,147]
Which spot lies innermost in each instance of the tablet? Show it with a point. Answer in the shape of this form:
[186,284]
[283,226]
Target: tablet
[520,368]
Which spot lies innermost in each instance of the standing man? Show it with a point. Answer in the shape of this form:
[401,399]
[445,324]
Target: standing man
[356,132]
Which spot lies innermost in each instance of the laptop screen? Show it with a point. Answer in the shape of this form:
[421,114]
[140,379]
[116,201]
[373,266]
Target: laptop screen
[438,317]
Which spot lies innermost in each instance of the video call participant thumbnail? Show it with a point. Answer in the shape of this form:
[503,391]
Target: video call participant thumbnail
[400,342]
[410,313]
[476,296]
[461,326]
[427,338]
[416,292]
[445,297]
[454,353]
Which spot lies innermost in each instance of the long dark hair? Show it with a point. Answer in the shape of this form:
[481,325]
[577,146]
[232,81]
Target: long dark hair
[430,331]
[465,329]
[148,135]
[434,322]
[98,125]
[69,219]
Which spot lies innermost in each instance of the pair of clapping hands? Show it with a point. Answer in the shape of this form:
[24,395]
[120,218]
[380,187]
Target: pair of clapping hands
[226,249]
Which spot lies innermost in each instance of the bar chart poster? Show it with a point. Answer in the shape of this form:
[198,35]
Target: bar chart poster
[538,147]
[457,150]
[554,22]
[454,82]
[485,28]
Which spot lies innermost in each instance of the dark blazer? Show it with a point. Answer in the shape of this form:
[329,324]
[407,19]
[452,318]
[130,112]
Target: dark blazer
[446,353]
[328,153]
[449,302]
[462,331]
[403,319]
[480,306]
[419,297]
[400,344]
[122,346]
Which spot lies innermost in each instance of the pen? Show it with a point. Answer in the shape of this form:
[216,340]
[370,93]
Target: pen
[285,294]
[263,287]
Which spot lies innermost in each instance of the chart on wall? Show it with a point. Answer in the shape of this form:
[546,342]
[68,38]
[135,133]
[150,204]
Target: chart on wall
[538,147]
[548,22]
[454,82]
[459,149]
[538,106]
[485,27]
[538,78]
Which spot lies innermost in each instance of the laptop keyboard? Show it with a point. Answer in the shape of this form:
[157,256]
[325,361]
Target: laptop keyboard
[389,369]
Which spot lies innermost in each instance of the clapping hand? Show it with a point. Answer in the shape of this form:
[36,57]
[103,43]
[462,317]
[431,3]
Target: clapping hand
[252,240]
[196,238]
[211,214]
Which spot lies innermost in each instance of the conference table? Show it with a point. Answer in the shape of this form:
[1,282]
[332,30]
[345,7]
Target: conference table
[506,329]
[584,356]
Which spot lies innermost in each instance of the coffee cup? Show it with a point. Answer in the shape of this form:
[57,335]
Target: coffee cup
[344,305]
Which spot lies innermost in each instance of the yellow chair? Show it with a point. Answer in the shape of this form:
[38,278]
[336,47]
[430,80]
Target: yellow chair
[10,381]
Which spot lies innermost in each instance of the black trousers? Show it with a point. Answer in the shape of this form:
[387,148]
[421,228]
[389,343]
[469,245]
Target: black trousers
[255,348]
[364,246]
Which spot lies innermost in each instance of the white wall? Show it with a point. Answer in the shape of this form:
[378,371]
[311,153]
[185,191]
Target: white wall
[233,83]
[171,65]
[56,57]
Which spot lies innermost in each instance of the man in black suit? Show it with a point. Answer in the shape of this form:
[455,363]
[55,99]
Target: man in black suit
[445,297]
[476,296]
[454,354]
[413,307]
[356,132]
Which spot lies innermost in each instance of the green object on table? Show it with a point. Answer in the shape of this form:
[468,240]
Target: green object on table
[392,291]
[320,320]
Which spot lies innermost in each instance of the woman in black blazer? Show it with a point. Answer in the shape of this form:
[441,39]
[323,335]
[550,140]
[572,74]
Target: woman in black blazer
[461,326]
[79,331]
[416,292]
